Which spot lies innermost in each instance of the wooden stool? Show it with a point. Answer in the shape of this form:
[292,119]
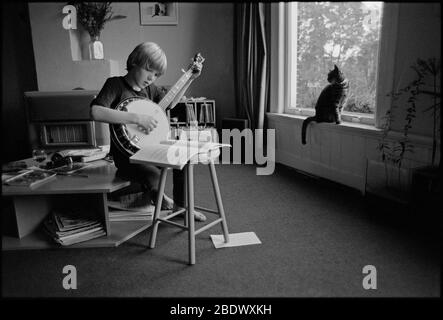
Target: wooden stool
[189,208]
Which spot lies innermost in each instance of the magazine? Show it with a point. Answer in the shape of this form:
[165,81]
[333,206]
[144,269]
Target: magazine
[71,168]
[30,178]
[12,174]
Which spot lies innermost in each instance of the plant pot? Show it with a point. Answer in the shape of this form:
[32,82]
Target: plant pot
[426,194]
[388,181]
[426,180]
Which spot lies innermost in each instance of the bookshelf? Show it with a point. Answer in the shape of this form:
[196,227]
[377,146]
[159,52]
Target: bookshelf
[202,110]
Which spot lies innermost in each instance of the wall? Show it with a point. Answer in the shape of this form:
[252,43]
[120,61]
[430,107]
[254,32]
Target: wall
[18,75]
[346,153]
[202,27]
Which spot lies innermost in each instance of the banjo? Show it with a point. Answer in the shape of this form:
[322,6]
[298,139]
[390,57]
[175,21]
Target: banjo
[128,138]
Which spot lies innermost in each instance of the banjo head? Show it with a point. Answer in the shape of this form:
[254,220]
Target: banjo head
[129,138]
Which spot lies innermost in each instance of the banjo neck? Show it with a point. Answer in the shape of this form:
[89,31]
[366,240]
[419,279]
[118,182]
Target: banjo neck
[180,84]
[172,93]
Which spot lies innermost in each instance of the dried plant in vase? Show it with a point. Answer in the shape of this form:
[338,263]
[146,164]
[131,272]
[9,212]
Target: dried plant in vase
[93,16]
[431,68]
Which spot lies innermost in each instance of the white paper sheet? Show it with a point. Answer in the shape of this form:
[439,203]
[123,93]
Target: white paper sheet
[235,239]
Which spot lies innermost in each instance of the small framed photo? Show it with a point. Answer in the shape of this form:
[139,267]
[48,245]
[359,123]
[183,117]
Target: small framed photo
[158,13]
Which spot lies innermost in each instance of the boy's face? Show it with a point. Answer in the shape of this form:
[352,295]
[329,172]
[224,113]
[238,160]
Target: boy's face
[143,77]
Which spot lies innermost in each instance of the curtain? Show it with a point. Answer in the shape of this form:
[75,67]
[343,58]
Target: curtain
[252,62]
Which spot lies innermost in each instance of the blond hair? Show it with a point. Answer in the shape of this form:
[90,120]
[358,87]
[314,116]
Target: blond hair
[148,55]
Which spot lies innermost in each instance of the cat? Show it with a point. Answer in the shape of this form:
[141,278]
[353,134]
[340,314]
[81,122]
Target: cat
[330,102]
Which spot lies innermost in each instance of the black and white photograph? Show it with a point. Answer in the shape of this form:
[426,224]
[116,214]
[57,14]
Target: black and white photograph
[221,158]
[159,13]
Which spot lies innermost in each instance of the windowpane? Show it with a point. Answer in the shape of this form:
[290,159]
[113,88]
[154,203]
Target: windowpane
[342,33]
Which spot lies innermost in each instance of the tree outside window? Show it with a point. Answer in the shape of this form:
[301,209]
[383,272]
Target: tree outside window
[343,33]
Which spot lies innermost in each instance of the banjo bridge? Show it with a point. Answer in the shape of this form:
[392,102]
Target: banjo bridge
[135,139]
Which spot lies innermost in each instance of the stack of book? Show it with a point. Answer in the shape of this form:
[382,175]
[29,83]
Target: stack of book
[131,207]
[67,228]
[126,215]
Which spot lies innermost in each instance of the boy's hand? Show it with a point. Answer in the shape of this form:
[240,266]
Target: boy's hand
[145,123]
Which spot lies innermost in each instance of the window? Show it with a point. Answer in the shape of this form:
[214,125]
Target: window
[359,37]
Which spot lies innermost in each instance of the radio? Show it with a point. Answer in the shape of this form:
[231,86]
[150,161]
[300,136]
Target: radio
[62,120]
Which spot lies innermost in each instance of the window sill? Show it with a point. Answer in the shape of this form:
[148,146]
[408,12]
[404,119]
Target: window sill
[345,116]
[350,127]
[344,126]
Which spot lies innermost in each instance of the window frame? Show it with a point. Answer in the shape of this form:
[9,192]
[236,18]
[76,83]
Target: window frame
[282,28]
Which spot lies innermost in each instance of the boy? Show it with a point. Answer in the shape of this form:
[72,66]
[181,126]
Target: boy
[145,64]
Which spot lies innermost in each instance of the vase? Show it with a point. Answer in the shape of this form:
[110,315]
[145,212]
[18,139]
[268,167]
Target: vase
[96,49]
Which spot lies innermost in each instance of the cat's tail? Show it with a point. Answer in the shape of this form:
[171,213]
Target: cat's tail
[304,127]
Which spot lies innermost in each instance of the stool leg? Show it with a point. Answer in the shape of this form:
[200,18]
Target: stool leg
[190,212]
[186,196]
[158,205]
[219,200]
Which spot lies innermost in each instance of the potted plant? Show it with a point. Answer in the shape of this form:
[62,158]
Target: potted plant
[393,151]
[431,68]
[426,181]
[93,16]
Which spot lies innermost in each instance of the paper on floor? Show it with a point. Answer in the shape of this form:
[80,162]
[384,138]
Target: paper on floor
[235,239]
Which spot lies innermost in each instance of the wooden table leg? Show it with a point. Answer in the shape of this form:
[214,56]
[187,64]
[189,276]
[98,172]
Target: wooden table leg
[190,212]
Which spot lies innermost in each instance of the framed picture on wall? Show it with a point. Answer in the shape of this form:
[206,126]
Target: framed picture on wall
[158,13]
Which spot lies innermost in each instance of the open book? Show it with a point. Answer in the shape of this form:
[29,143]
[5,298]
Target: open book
[177,153]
